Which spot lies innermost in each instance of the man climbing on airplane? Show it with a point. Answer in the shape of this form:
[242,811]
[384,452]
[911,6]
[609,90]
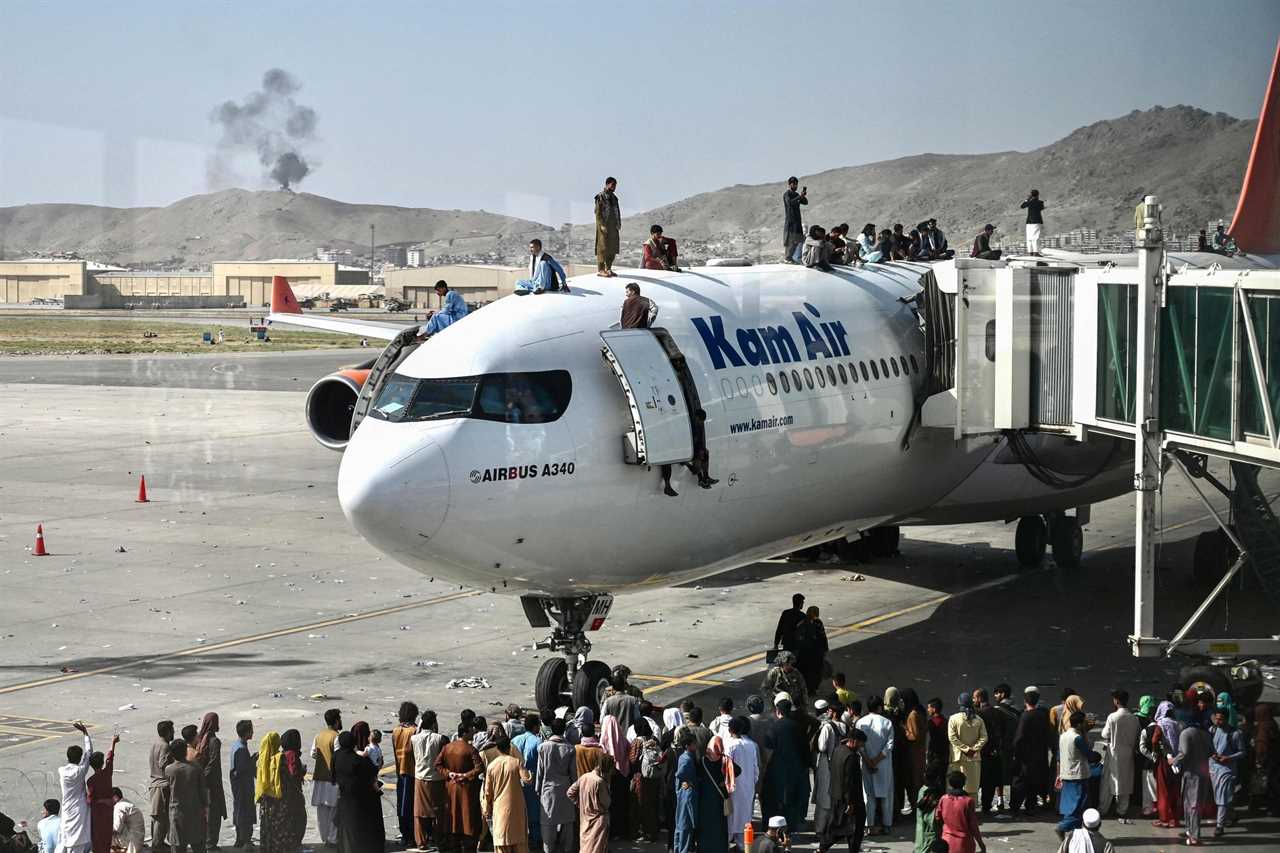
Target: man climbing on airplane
[452,309]
[545,273]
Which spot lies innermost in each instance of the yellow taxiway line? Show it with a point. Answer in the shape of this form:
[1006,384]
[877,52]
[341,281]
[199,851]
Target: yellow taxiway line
[206,648]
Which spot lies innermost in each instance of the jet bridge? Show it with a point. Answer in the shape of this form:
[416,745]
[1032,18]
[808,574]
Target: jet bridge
[1184,362]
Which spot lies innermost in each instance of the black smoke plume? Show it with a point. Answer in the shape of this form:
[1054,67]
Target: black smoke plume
[270,122]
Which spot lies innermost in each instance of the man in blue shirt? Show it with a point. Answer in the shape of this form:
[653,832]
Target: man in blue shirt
[545,273]
[452,309]
[1228,748]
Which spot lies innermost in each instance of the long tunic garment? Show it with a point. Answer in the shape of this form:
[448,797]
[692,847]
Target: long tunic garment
[1228,744]
[557,770]
[591,793]
[463,814]
[361,828]
[959,823]
[967,733]
[686,819]
[878,785]
[502,803]
[829,734]
[101,806]
[211,765]
[847,813]
[713,829]
[295,803]
[158,786]
[188,797]
[76,837]
[786,783]
[244,769]
[1120,733]
[744,753]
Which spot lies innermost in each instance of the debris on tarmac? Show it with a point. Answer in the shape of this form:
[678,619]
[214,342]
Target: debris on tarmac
[853,578]
[471,681]
[426,663]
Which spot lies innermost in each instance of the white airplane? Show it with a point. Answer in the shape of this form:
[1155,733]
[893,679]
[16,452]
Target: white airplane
[519,449]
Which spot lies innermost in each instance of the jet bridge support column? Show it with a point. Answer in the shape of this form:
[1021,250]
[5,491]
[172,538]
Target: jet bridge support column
[1147,450]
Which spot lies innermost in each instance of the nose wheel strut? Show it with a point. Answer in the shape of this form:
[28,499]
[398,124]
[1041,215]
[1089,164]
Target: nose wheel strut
[571,680]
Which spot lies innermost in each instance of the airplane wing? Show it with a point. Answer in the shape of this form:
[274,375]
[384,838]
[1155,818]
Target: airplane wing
[286,311]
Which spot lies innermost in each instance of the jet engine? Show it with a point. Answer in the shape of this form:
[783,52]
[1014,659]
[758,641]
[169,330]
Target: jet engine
[330,404]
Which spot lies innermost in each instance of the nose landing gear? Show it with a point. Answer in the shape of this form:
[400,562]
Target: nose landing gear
[572,679]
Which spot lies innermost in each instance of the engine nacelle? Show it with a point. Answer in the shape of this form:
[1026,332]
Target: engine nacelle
[330,404]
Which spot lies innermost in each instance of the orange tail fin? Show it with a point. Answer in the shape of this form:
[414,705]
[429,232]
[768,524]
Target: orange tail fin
[1256,224]
[282,299]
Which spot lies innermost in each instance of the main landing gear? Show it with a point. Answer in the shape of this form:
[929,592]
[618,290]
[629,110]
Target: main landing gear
[1062,532]
[571,679]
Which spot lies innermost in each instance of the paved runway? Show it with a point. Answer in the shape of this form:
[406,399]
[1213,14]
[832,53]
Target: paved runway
[240,588]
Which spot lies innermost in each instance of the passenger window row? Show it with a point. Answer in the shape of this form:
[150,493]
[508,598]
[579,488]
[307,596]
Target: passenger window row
[800,379]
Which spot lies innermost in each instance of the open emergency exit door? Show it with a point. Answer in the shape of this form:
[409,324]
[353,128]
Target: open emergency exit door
[662,432]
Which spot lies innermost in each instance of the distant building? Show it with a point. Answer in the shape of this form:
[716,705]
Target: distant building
[416,256]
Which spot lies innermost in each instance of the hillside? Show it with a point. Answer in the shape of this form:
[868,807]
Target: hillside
[243,225]
[1093,177]
[1193,159]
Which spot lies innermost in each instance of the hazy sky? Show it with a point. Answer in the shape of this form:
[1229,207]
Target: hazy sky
[524,107]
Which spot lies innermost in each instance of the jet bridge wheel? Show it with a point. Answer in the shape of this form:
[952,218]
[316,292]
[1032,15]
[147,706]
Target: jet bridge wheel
[1067,541]
[551,689]
[589,685]
[1029,541]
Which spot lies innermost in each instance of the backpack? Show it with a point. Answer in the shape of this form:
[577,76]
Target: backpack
[651,759]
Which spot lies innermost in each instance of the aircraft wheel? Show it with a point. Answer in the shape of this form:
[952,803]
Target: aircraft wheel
[884,540]
[1068,542]
[1205,678]
[1213,556]
[589,685]
[551,688]
[1029,541]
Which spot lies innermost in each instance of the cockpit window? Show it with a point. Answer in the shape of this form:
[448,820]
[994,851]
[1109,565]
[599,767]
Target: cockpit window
[523,398]
[527,398]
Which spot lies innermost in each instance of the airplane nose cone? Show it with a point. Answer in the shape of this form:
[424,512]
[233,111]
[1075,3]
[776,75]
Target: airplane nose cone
[395,495]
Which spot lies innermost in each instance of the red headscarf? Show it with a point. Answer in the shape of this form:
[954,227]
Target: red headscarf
[360,731]
[203,738]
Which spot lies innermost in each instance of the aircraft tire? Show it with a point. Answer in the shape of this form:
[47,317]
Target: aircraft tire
[1212,557]
[1205,676]
[589,685]
[1068,542]
[884,540]
[1029,541]
[551,688]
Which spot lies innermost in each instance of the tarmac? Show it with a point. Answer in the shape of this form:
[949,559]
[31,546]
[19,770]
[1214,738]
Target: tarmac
[240,588]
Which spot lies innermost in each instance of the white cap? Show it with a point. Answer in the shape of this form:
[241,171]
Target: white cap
[1030,688]
[777,822]
[821,705]
[1092,819]
[780,696]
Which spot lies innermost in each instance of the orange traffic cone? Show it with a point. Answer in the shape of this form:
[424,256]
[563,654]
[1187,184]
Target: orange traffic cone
[39,550]
[748,835]
[142,489]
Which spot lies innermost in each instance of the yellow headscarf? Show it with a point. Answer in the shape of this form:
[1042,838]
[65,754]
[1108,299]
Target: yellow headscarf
[1070,705]
[267,783]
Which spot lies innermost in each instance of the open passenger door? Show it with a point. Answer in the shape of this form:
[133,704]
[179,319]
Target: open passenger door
[641,359]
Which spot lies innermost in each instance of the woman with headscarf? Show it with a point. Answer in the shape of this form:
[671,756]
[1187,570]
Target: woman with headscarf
[361,733]
[715,787]
[967,735]
[588,752]
[1164,742]
[292,773]
[927,797]
[1145,778]
[208,757]
[359,819]
[1070,705]
[1228,706]
[915,731]
[582,725]
[1265,790]
[268,789]
[895,709]
[615,746]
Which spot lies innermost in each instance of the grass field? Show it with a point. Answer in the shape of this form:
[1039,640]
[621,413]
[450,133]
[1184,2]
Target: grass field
[73,336]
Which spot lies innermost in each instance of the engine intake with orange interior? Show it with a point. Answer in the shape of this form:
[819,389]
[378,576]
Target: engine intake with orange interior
[330,404]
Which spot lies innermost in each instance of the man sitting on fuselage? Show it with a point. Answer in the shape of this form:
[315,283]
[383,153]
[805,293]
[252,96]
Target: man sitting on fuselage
[545,272]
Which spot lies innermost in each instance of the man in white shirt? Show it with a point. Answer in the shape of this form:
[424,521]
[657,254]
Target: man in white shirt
[1120,734]
[128,826]
[50,827]
[75,801]
[429,795]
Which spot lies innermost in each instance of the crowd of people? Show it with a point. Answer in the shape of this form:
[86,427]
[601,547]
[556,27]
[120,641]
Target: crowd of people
[567,782]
